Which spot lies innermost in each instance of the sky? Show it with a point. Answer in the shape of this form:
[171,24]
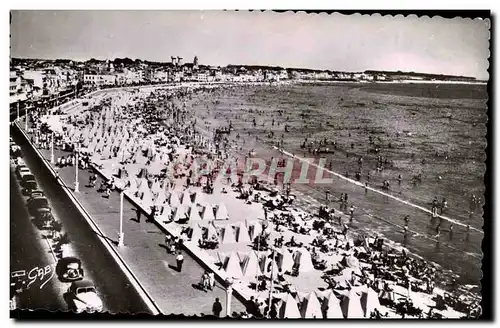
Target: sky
[334,42]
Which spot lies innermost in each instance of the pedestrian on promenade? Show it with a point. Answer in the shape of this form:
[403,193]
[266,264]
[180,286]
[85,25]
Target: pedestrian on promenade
[217,308]
[180,259]
[138,215]
[211,280]
[168,240]
[153,213]
[205,281]
[351,211]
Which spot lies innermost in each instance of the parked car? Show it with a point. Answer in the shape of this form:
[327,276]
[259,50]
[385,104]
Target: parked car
[29,186]
[35,193]
[38,205]
[23,171]
[21,167]
[27,177]
[69,269]
[82,296]
[19,161]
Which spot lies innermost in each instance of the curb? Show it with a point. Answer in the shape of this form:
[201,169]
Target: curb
[148,300]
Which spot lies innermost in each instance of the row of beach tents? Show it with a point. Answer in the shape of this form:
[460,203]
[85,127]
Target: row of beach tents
[251,264]
[357,303]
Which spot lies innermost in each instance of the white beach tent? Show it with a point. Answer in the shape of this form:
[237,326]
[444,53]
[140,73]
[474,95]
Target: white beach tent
[208,213]
[242,233]
[198,198]
[160,198]
[285,260]
[212,231]
[331,307]
[228,235]
[254,227]
[173,199]
[179,213]
[369,301]
[193,214]
[196,233]
[251,266]
[221,212]
[233,267]
[311,308]
[351,306]
[289,308]
[186,198]
[303,259]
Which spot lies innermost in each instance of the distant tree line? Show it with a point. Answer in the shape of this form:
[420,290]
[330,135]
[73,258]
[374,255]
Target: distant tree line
[425,76]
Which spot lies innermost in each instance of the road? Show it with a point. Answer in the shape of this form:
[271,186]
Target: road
[116,291]
[28,251]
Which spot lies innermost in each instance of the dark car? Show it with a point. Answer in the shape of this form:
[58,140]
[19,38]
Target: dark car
[35,193]
[37,205]
[69,269]
[29,186]
[27,177]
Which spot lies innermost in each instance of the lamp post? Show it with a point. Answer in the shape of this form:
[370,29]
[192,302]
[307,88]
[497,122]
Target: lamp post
[121,234]
[52,148]
[271,285]
[229,292]
[26,121]
[18,111]
[77,184]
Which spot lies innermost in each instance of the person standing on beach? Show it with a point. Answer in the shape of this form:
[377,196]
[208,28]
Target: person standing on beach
[351,211]
[407,219]
[180,259]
